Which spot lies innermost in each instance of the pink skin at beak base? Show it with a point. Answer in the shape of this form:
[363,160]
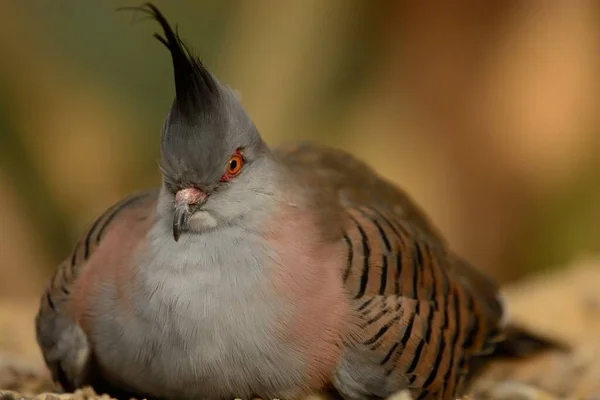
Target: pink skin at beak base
[190,196]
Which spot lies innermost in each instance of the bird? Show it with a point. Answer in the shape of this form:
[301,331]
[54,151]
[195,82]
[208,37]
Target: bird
[263,271]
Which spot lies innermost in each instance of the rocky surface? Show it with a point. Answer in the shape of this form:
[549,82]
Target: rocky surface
[563,305]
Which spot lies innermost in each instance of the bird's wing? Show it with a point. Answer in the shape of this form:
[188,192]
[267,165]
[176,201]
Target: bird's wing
[64,345]
[422,311]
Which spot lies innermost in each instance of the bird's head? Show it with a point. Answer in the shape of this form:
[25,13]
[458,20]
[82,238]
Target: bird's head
[216,169]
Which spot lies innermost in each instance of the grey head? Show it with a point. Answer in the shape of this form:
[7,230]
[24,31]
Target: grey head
[213,161]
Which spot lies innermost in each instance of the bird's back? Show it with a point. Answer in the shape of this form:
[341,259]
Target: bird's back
[423,312]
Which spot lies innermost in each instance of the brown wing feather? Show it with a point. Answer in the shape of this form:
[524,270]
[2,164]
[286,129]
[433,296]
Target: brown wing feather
[59,287]
[423,311]
[54,323]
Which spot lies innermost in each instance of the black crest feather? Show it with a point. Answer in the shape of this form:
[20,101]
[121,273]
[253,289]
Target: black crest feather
[205,124]
[195,88]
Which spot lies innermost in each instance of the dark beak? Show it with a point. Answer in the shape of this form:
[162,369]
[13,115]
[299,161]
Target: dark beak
[181,217]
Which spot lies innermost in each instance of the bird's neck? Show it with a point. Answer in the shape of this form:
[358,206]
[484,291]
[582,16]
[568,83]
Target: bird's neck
[293,244]
[214,258]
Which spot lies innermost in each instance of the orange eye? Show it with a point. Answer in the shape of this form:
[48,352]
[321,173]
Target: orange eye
[235,164]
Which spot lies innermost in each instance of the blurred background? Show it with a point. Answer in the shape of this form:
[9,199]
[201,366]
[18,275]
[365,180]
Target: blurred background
[486,113]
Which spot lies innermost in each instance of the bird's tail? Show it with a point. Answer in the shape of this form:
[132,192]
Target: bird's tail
[518,342]
[514,342]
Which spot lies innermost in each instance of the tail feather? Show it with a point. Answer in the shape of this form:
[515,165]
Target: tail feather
[519,342]
[512,343]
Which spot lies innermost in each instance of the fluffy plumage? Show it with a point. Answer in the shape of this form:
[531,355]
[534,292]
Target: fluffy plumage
[303,271]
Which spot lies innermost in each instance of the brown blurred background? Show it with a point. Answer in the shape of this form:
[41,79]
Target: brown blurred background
[487,113]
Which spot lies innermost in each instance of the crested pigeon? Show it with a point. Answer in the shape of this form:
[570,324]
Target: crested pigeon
[258,271]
